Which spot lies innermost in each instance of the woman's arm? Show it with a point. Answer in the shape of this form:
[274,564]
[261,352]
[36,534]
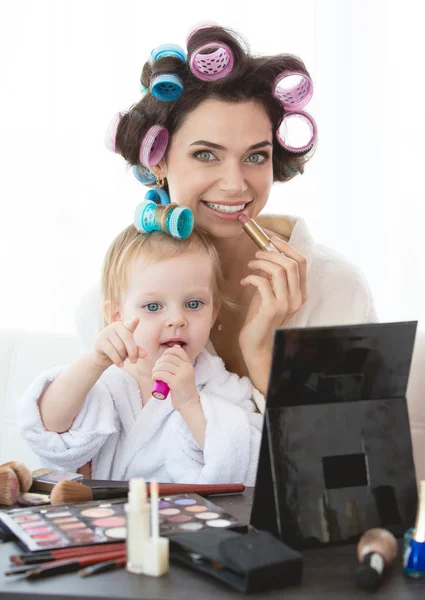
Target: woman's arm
[279,295]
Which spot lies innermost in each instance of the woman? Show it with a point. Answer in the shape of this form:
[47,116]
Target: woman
[221,153]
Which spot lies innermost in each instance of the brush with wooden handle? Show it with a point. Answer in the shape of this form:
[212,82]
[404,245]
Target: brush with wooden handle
[65,492]
[15,481]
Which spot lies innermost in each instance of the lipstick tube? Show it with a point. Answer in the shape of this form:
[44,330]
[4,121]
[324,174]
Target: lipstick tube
[257,234]
[160,390]
[414,541]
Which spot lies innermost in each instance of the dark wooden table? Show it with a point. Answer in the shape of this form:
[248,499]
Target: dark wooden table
[328,573]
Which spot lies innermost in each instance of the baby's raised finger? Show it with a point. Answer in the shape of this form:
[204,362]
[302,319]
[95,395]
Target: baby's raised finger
[118,344]
[131,325]
[129,343]
[112,353]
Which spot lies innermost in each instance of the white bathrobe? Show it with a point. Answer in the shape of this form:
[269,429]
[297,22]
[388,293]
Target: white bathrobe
[124,439]
[337,290]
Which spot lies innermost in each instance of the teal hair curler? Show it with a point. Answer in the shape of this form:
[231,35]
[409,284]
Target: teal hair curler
[158,195]
[167,87]
[167,50]
[143,174]
[171,218]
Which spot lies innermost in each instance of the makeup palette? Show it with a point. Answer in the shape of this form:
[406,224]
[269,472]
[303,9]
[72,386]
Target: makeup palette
[79,524]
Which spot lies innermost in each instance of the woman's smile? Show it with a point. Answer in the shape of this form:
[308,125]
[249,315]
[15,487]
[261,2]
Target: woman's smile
[229,211]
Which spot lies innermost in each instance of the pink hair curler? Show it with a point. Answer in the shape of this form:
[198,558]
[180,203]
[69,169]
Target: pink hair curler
[298,95]
[160,390]
[313,128]
[111,132]
[198,26]
[153,146]
[209,67]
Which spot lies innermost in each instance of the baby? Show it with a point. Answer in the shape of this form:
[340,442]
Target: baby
[161,297]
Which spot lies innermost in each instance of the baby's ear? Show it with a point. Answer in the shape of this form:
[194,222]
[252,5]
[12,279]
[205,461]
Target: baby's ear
[110,313]
[215,315]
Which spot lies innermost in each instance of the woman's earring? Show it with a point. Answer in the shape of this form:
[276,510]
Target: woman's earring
[159,182]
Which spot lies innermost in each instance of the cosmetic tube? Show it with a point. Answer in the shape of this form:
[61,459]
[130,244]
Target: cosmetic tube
[156,549]
[257,234]
[414,541]
[376,549]
[138,526]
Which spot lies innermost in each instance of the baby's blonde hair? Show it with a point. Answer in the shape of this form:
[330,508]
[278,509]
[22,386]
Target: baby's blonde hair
[155,246]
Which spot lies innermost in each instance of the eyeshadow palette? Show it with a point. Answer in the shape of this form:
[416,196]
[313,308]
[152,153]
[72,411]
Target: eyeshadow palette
[80,524]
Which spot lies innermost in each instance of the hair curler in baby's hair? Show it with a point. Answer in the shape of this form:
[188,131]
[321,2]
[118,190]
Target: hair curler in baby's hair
[170,218]
[158,195]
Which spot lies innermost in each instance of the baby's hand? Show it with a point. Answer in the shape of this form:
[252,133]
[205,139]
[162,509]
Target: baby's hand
[116,343]
[176,370]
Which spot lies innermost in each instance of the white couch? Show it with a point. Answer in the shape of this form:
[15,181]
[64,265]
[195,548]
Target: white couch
[24,355]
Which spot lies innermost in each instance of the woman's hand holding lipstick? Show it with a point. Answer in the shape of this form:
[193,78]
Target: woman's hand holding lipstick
[281,290]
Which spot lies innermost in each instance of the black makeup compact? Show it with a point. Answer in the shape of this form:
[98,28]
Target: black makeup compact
[336,453]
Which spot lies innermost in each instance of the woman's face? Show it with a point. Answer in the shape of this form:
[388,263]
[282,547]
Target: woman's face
[219,164]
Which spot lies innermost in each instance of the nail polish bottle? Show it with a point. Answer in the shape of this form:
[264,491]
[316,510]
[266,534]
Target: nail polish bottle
[414,541]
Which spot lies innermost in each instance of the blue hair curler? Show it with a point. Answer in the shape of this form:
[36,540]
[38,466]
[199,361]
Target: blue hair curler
[173,219]
[158,195]
[167,87]
[167,50]
[143,174]
[143,90]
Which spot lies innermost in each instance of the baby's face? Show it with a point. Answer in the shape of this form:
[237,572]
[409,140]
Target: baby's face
[174,302]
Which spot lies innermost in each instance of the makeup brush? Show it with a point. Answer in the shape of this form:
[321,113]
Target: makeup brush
[70,491]
[44,556]
[102,567]
[22,473]
[63,566]
[9,486]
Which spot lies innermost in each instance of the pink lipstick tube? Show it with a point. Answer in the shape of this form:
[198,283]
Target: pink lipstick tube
[160,390]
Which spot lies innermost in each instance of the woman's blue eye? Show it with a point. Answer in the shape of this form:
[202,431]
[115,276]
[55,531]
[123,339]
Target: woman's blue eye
[262,155]
[152,306]
[201,155]
[194,304]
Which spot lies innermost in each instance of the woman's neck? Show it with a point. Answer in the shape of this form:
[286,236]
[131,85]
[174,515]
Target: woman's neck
[234,254]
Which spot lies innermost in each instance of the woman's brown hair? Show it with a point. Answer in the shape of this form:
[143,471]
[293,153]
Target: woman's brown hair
[251,78]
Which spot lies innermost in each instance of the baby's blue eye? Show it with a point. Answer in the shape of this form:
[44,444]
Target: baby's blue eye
[194,304]
[152,306]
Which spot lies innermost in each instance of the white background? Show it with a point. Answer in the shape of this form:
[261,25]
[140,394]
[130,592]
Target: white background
[66,66]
